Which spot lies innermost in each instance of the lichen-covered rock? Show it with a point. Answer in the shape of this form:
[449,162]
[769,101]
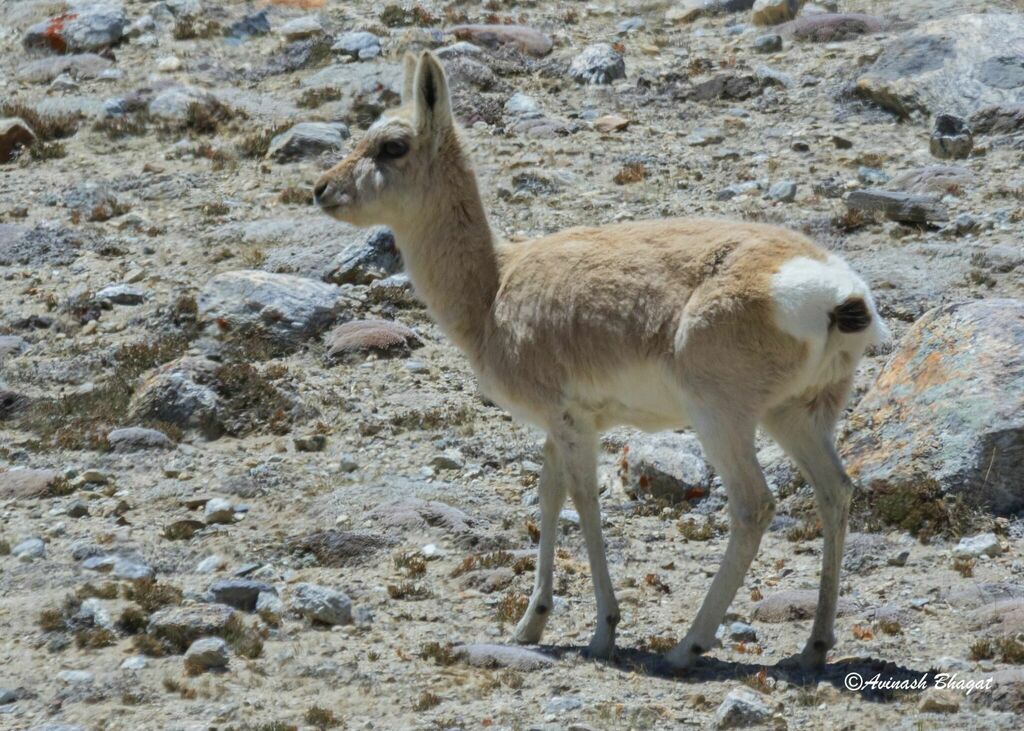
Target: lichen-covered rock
[307,139]
[181,392]
[284,308]
[208,653]
[956,64]
[357,338]
[85,28]
[948,408]
[598,64]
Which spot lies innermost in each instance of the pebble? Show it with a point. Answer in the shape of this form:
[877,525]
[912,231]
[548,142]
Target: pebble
[135,662]
[122,294]
[743,708]
[300,28]
[359,45]
[768,43]
[783,191]
[218,510]
[742,632]
[75,677]
[29,549]
[321,604]
[207,653]
[137,438]
[239,593]
[562,704]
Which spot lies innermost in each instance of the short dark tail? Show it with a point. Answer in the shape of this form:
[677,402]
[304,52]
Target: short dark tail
[852,316]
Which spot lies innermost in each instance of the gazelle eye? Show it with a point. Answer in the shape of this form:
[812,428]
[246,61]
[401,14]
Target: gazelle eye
[393,149]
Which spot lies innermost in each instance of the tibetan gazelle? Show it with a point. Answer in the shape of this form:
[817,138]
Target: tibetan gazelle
[713,325]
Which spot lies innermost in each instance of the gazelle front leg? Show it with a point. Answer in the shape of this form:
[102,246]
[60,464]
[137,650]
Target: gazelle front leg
[751,507]
[552,498]
[579,451]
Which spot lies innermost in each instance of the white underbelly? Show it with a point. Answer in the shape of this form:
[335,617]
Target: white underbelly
[644,395]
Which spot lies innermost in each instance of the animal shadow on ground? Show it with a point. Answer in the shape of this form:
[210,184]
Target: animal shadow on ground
[900,680]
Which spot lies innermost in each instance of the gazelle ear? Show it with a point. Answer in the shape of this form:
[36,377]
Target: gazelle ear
[433,106]
[408,76]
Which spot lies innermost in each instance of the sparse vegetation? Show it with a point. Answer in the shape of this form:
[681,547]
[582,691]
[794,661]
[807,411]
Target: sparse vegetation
[408,590]
[925,511]
[321,718]
[316,97]
[511,607]
[440,654]
[47,127]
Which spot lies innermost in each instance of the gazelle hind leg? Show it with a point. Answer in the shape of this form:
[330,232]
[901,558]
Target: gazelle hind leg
[730,449]
[804,429]
[552,497]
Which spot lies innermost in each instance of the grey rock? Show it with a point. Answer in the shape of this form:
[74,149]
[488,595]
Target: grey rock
[76,65]
[743,707]
[956,64]
[630,24]
[174,104]
[375,257]
[503,656]
[135,662]
[75,677]
[946,409]
[795,605]
[269,606]
[208,653]
[122,294]
[299,28]
[529,41]
[416,514]
[283,308]
[218,510]
[131,569]
[940,179]
[598,64]
[88,28]
[898,206]
[864,552]
[183,625]
[307,139]
[360,45]
[29,549]
[11,345]
[999,119]
[783,191]
[872,176]
[321,604]
[137,438]
[181,392]
[667,466]
[43,244]
[738,189]
[254,24]
[703,136]
[951,138]
[93,201]
[984,544]
[768,43]
[831,27]
[239,593]
[338,549]
[562,704]
[8,695]
[742,632]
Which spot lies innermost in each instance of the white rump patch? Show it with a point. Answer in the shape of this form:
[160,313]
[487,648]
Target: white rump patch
[805,291]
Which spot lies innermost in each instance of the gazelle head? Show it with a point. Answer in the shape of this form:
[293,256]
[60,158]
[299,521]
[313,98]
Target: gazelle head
[395,172]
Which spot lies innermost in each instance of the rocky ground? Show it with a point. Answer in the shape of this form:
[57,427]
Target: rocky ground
[245,483]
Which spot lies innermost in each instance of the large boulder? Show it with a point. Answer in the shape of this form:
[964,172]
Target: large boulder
[86,28]
[948,408]
[956,64]
[282,307]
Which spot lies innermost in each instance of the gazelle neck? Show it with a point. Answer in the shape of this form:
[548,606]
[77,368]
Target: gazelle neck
[448,251]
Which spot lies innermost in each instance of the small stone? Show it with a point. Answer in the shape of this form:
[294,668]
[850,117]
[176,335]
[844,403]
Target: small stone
[450,460]
[218,510]
[8,695]
[768,43]
[321,604]
[15,134]
[562,704]
[122,294]
[269,606]
[78,509]
[130,569]
[702,137]
[360,45]
[26,483]
[903,207]
[938,700]
[985,544]
[75,677]
[208,653]
[630,24]
[137,438]
[297,29]
[773,12]
[668,467]
[29,549]
[598,64]
[742,632]
[783,191]
[951,138]
[742,708]
[168,64]
[239,593]
[310,443]
[210,564]
[611,123]
[135,662]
